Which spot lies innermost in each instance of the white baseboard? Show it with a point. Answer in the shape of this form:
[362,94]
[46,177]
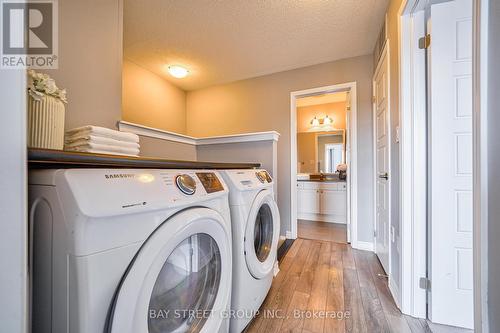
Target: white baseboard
[366,246]
[276,268]
[393,288]
[340,219]
[288,234]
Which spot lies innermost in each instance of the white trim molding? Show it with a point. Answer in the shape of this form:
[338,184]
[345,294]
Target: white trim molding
[351,152]
[152,132]
[481,185]
[393,288]
[14,257]
[238,138]
[365,246]
[413,159]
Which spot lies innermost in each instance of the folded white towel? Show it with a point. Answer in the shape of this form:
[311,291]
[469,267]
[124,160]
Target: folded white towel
[81,139]
[97,151]
[92,147]
[104,132]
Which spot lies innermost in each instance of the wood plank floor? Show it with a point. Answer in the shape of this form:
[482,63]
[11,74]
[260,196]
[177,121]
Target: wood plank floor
[329,287]
[332,232]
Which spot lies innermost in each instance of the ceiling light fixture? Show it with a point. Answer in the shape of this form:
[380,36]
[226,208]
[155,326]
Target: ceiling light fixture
[178,71]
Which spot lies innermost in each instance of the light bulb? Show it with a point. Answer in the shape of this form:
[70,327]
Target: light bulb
[315,122]
[327,121]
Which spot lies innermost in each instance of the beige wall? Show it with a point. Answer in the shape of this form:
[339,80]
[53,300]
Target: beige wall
[90,61]
[263,104]
[263,152]
[151,100]
[336,111]
[152,147]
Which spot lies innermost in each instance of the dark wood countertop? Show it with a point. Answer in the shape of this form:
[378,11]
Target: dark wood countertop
[58,159]
[337,180]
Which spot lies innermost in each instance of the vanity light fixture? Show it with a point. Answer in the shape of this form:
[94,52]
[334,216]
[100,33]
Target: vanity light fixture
[177,71]
[322,124]
[315,122]
[327,120]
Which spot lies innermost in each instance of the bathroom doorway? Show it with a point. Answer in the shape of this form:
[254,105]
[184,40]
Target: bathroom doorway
[322,163]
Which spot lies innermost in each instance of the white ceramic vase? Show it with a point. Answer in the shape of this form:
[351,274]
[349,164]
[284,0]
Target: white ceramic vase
[45,123]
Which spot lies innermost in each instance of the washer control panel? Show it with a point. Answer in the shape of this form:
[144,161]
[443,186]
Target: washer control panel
[210,182]
[248,179]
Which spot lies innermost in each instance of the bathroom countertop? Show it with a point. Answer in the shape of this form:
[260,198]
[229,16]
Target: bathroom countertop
[337,180]
[59,159]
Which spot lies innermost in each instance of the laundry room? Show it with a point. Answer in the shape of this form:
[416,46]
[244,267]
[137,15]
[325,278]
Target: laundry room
[222,166]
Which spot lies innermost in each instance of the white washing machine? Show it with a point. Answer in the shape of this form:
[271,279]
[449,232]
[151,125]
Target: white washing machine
[128,251]
[255,224]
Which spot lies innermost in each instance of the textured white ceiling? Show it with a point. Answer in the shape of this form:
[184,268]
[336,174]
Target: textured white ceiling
[229,40]
[322,99]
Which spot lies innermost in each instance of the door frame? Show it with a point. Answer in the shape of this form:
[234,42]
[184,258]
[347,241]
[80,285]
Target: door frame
[351,160]
[14,283]
[385,53]
[413,159]
[412,78]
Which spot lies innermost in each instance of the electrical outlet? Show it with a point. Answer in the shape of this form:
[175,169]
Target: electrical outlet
[397,134]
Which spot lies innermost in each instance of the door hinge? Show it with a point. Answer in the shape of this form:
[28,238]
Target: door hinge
[425,283]
[373,99]
[424,42]
[375,233]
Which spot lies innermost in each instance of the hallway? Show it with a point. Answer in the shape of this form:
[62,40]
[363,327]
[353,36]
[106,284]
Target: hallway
[325,279]
[324,231]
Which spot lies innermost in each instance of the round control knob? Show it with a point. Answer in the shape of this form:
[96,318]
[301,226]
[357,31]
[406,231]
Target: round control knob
[261,177]
[186,184]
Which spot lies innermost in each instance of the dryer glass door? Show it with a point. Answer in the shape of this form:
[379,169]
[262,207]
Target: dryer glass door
[263,232]
[261,235]
[186,286]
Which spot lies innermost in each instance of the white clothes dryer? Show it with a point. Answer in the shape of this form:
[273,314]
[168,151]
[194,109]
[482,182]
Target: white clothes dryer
[127,251]
[255,224]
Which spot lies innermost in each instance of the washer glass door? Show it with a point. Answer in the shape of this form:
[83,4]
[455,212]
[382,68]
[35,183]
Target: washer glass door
[186,287]
[179,280]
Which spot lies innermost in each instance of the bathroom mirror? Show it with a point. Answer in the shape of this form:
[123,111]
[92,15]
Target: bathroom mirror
[320,152]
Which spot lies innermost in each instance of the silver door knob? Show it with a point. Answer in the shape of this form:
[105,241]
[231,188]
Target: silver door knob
[384,176]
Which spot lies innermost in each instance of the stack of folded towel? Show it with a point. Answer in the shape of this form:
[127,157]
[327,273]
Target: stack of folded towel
[100,140]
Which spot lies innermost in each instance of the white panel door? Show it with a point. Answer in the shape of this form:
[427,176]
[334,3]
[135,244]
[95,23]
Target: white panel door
[451,298]
[382,188]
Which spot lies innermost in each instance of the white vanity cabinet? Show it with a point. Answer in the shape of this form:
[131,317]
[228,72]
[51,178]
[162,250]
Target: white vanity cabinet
[322,201]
